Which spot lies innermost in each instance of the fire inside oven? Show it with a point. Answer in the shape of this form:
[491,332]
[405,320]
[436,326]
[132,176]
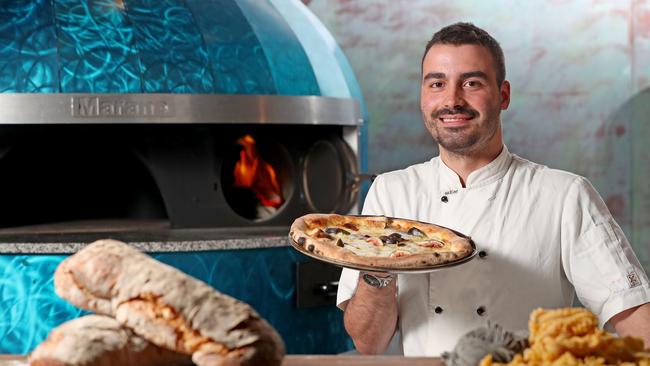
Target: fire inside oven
[117,178]
[257,178]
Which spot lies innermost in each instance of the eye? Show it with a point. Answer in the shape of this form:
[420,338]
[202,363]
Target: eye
[472,84]
[436,85]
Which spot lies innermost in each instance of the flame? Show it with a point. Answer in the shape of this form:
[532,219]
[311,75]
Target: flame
[252,172]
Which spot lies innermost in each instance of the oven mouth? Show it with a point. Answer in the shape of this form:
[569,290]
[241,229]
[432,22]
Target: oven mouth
[257,176]
[74,178]
[59,182]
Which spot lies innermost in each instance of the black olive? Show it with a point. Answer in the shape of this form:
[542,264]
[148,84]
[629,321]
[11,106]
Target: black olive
[387,239]
[301,240]
[416,232]
[322,235]
[397,237]
[310,247]
[339,243]
[336,230]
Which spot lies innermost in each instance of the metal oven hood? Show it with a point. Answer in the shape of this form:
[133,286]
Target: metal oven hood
[81,108]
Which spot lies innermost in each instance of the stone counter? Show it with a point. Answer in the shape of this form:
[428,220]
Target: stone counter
[156,240]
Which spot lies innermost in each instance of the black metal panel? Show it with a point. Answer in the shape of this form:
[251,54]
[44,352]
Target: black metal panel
[317,284]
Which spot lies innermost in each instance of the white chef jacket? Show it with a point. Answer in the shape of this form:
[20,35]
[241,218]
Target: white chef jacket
[542,233]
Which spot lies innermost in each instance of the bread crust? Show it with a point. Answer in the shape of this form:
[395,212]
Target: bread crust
[456,246]
[100,340]
[166,306]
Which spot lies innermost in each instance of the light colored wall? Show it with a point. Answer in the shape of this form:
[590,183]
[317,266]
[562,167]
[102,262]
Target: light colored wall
[578,69]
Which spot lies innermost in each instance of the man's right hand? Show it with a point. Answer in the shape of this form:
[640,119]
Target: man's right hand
[370,316]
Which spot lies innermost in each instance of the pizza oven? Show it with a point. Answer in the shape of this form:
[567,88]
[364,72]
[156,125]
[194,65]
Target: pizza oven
[154,116]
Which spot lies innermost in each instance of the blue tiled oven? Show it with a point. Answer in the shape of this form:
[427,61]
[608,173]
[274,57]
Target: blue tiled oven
[195,130]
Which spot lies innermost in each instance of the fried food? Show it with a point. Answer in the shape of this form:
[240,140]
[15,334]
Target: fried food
[571,337]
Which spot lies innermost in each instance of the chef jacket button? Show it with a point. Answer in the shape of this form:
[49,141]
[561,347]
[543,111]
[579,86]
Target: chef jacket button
[480,310]
[482,254]
[444,199]
[438,310]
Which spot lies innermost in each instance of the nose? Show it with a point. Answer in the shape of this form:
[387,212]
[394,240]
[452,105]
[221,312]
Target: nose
[454,98]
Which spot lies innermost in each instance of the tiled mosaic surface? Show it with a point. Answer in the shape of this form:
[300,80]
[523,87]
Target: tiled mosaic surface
[132,46]
[263,278]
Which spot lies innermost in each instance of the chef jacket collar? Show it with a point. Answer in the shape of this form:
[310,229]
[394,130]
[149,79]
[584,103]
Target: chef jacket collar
[480,177]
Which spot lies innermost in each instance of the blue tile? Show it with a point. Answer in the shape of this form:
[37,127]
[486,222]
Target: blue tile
[96,47]
[291,69]
[234,51]
[263,278]
[173,57]
[27,48]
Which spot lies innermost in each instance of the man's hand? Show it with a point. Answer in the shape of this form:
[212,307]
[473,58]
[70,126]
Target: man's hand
[370,316]
[634,322]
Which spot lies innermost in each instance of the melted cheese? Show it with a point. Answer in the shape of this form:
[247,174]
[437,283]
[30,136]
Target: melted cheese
[361,245]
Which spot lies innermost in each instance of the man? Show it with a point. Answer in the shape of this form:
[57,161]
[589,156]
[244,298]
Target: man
[543,234]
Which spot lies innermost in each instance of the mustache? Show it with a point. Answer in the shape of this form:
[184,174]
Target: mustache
[471,113]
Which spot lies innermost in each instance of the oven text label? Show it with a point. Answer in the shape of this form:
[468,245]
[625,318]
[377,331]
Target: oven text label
[115,107]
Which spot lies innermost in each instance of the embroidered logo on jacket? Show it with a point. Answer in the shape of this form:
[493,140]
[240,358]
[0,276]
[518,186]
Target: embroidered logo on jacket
[633,279]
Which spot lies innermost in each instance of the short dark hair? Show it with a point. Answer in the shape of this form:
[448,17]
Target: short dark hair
[458,34]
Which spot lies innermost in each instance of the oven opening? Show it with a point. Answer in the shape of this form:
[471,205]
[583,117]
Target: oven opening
[257,176]
[68,182]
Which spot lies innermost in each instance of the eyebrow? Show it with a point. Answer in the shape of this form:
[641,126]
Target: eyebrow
[474,74]
[465,75]
[434,75]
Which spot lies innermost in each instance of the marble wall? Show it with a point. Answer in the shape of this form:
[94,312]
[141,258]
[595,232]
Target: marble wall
[579,76]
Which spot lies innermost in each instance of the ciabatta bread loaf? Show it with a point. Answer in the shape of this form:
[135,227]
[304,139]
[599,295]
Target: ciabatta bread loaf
[166,306]
[98,340]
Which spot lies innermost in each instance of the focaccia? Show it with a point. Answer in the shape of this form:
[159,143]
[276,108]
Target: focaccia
[166,306]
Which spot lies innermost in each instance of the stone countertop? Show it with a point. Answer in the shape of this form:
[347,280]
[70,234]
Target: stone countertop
[152,240]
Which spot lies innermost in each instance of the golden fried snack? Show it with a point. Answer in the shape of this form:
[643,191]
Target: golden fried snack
[571,337]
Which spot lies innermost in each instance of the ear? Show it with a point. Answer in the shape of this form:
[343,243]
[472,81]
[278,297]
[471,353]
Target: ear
[505,94]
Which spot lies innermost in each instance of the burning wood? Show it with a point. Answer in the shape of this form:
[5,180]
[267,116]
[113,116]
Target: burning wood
[252,172]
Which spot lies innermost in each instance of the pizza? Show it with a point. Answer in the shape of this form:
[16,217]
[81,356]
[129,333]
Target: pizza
[378,241]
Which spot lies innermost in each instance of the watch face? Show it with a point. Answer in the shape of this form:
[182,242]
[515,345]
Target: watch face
[371,280]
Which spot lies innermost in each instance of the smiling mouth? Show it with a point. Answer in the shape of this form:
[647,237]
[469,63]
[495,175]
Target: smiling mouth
[455,119]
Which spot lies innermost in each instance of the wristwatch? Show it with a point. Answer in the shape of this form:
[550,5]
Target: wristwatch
[377,281]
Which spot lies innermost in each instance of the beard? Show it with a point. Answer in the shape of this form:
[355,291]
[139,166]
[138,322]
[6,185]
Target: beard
[467,139]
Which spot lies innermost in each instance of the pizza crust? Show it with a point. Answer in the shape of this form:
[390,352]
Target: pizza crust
[302,231]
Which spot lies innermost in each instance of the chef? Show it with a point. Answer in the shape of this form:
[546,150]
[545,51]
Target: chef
[543,235]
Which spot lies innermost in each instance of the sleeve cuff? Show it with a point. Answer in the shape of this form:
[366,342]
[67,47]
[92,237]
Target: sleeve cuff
[347,287]
[633,297]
